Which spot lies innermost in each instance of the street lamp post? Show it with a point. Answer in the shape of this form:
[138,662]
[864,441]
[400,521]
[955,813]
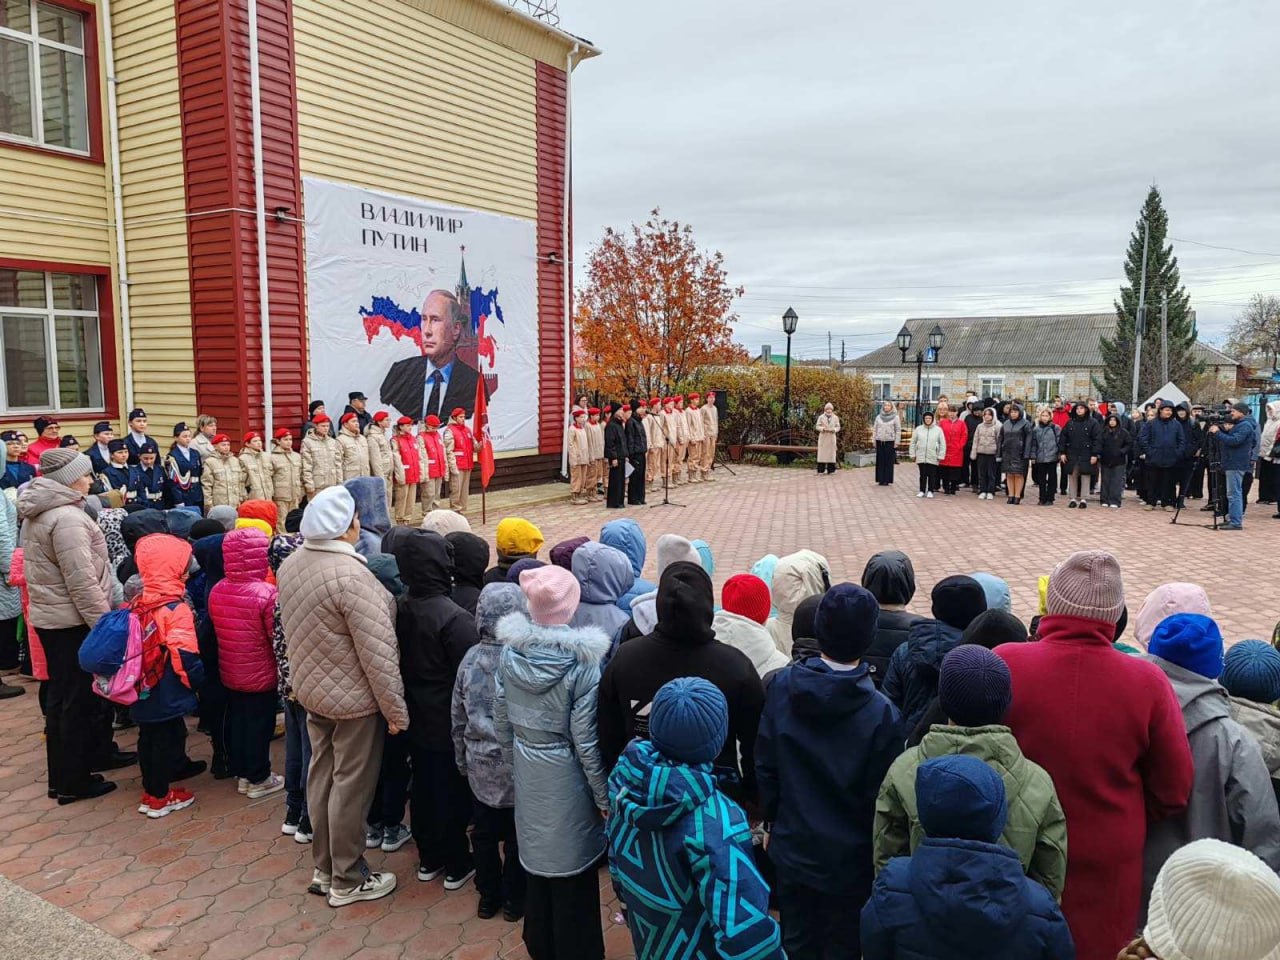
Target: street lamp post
[789,321]
[930,355]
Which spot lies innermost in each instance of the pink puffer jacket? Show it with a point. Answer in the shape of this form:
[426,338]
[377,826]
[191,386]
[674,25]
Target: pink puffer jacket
[242,607]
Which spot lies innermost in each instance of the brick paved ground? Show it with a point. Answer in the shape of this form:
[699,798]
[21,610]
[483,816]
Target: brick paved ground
[219,882]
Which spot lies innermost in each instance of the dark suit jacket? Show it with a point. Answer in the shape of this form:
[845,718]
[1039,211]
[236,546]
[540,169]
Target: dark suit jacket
[405,383]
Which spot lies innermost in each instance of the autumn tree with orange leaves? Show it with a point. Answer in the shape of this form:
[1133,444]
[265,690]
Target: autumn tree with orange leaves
[654,310]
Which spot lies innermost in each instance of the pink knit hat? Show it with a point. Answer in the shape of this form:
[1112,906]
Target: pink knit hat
[553,595]
[1087,584]
[1166,600]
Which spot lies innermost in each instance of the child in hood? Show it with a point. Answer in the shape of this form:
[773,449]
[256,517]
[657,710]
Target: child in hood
[500,879]
[680,851]
[1231,796]
[172,672]
[1251,674]
[962,893]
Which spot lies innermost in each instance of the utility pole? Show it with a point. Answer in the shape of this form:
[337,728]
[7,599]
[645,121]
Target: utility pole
[1164,338]
[830,359]
[1140,326]
[842,354]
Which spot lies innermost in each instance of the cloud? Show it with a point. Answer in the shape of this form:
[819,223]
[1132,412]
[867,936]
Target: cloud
[865,165]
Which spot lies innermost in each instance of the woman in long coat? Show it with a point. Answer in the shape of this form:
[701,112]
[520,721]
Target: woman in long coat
[1015,450]
[828,427]
[885,432]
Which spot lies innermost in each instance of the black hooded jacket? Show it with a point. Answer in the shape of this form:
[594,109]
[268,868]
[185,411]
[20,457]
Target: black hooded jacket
[891,579]
[1080,440]
[1195,436]
[470,558]
[683,644]
[132,529]
[804,639]
[1116,444]
[208,553]
[434,634]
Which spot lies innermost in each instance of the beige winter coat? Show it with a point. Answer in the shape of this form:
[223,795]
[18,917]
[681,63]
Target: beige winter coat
[710,421]
[321,467]
[286,474]
[379,451]
[578,454]
[595,440]
[257,473]
[693,424]
[883,431]
[224,481]
[828,427]
[340,631]
[353,451]
[986,440]
[68,575]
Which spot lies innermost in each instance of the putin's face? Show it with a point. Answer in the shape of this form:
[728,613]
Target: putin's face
[440,329]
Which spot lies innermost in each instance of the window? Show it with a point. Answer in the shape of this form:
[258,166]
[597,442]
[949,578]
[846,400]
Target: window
[931,387]
[43,95]
[50,341]
[881,387]
[991,387]
[1047,388]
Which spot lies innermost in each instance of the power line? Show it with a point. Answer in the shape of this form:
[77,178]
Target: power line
[1214,246]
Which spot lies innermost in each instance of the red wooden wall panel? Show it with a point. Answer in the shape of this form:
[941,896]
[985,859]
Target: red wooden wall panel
[551,108]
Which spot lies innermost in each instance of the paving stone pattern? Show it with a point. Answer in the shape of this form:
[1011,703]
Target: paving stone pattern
[219,882]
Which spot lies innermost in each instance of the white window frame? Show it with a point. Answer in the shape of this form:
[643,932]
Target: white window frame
[881,386]
[34,43]
[993,377]
[1049,377]
[50,313]
[930,387]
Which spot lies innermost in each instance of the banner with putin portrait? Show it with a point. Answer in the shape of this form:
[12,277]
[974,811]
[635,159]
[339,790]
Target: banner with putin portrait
[416,304]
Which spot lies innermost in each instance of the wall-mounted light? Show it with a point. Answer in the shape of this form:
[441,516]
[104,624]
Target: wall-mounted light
[552,258]
[282,214]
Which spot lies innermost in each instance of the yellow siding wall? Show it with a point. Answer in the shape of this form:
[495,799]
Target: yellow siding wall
[447,115]
[154,210]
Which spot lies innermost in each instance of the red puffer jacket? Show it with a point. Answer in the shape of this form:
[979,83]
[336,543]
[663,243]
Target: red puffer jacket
[242,608]
[956,433]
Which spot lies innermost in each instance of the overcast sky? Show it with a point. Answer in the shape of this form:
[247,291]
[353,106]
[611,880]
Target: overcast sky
[868,162]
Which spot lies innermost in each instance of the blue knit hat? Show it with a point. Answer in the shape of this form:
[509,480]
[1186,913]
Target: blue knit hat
[1251,671]
[1192,641]
[845,623]
[689,720]
[960,797]
[975,687]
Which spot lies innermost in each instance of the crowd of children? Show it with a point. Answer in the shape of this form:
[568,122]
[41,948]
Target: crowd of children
[890,782]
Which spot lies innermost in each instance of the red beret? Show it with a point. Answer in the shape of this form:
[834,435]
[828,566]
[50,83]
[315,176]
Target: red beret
[579,412]
[380,416]
[404,421]
[433,421]
[626,407]
[282,432]
[252,435]
[221,438]
[457,412]
[347,416]
[321,418]
[694,396]
[655,402]
[594,411]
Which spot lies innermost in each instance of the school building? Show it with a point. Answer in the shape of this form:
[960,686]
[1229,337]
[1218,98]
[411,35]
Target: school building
[137,136]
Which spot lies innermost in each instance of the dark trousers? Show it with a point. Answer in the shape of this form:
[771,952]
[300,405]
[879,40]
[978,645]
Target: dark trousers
[562,917]
[297,757]
[1160,485]
[387,808]
[9,644]
[817,925]
[1268,481]
[886,457]
[1062,480]
[1113,485]
[1045,476]
[499,876]
[617,489]
[251,721]
[162,751]
[1182,478]
[441,809]
[988,473]
[928,477]
[826,468]
[73,713]
[950,477]
[635,486]
[213,718]
[1195,489]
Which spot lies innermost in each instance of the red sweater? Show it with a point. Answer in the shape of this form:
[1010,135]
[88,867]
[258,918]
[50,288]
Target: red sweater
[956,433]
[1060,417]
[1109,730]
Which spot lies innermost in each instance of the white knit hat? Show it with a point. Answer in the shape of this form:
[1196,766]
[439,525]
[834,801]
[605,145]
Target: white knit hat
[328,515]
[1214,901]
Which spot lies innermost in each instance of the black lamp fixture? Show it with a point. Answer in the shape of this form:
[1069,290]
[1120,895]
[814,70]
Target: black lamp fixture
[937,339]
[790,320]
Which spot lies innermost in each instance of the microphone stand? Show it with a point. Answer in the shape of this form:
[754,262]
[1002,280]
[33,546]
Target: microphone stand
[666,472]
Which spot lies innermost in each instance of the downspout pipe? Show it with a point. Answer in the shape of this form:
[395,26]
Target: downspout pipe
[264,305]
[565,247]
[117,198]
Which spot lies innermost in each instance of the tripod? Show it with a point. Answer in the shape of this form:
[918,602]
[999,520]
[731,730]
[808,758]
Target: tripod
[667,446]
[1215,479]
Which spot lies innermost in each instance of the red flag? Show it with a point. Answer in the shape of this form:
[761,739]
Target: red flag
[481,430]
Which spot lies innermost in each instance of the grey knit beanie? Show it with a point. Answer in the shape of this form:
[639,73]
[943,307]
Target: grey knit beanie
[1087,584]
[65,465]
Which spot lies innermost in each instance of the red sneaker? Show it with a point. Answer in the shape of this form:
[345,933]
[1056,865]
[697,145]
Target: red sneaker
[157,808]
[180,794]
[143,804]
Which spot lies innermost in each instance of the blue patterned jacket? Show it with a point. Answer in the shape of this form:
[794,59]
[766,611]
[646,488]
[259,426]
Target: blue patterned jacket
[681,860]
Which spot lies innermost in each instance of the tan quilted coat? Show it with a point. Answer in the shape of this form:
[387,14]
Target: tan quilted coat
[340,630]
[68,575]
[286,473]
[257,470]
[321,467]
[353,450]
[224,481]
[379,451]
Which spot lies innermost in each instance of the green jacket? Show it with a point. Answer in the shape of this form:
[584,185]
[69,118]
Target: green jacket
[1036,829]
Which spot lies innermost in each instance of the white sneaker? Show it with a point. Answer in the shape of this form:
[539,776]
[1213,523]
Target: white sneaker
[321,883]
[929,495]
[375,887]
[242,785]
[920,494]
[273,784]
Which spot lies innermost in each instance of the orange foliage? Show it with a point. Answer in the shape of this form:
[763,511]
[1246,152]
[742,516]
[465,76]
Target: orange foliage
[655,309]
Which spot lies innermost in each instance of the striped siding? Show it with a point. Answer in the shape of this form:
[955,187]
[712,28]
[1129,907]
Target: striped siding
[61,204]
[500,25]
[152,182]
[551,188]
[449,117]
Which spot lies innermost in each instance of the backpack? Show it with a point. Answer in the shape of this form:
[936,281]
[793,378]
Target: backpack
[112,652]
